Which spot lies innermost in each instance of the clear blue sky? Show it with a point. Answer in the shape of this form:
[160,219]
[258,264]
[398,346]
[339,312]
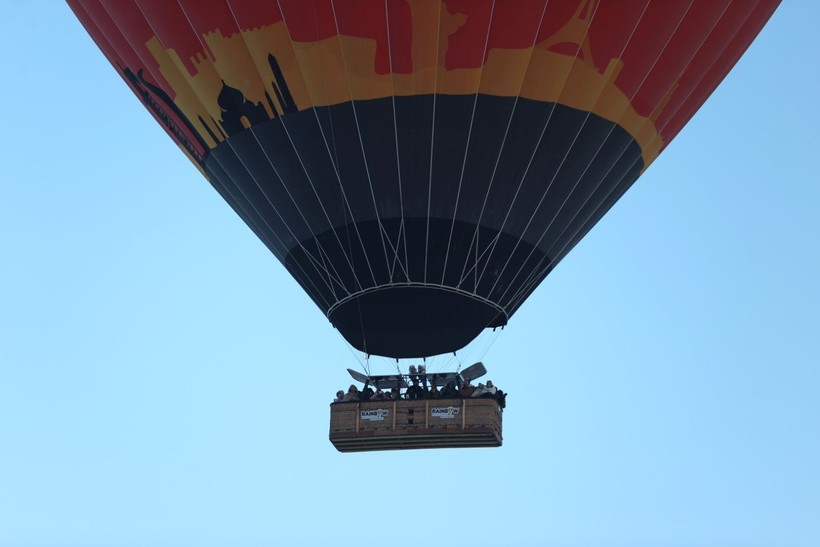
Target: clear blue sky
[164,382]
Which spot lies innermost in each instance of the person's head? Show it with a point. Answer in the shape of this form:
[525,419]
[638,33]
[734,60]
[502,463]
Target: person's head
[352,389]
[340,394]
[489,383]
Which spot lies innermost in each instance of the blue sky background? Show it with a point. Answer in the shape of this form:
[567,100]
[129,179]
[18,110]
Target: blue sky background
[164,382]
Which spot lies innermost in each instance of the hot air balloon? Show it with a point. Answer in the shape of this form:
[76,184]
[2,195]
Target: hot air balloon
[419,167]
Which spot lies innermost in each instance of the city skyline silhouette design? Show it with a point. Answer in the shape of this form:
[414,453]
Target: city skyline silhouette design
[238,113]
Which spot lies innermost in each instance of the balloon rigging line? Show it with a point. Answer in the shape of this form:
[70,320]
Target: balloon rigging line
[556,174]
[322,252]
[609,134]
[239,206]
[333,159]
[474,240]
[319,267]
[359,133]
[533,155]
[333,163]
[495,238]
[469,139]
[383,231]
[432,141]
[271,162]
[396,259]
[261,83]
[402,232]
[364,362]
[315,193]
[538,273]
[318,293]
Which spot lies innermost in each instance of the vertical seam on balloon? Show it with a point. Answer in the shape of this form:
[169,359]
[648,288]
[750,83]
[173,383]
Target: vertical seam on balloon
[334,161]
[341,185]
[402,234]
[712,85]
[537,274]
[225,192]
[529,163]
[464,271]
[361,141]
[313,187]
[637,90]
[588,115]
[304,280]
[320,248]
[561,165]
[432,138]
[469,140]
[337,278]
[285,224]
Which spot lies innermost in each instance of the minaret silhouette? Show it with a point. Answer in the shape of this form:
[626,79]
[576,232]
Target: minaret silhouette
[280,87]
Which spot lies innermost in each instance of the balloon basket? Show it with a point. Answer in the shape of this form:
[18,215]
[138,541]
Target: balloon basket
[402,424]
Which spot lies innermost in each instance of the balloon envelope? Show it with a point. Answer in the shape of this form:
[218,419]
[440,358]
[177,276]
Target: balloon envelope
[419,167]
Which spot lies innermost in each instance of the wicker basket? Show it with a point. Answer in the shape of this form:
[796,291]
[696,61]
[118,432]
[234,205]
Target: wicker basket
[429,423]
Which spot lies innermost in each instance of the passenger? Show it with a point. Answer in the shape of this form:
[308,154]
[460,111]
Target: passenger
[467,389]
[450,391]
[340,396]
[394,394]
[414,392]
[485,391]
[434,392]
[501,397]
[378,396]
[352,394]
[423,375]
[367,394]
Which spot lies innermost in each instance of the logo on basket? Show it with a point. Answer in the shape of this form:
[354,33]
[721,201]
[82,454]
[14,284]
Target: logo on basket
[446,412]
[375,415]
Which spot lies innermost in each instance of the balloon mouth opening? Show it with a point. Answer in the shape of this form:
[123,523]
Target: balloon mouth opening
[413,320]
